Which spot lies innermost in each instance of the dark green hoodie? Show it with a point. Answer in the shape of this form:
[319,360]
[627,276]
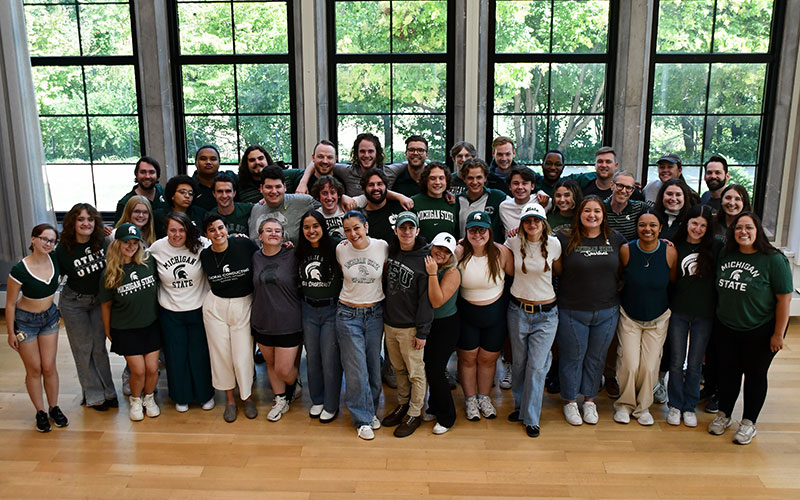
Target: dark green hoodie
[406,289]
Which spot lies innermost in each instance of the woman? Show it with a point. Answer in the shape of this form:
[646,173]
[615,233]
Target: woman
[754,289]
[321,283]
[566,197]
[82,258]
[672,204]
[32,323]
[254,159]
[648,267]
[532,314]
[735,200]
[435,214]
[129,305]
[483,265]
[407,322]
[180,192]
[588,306]
[692,303]
[183,287]
[276,319]
[328,192]
[138,212]
[359,320]
[444,280]
[226,314]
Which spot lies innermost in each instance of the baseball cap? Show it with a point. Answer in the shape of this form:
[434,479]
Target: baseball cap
[445,240]
[671,158]
[406,216]
[127,232]
[478,219]
[532,210]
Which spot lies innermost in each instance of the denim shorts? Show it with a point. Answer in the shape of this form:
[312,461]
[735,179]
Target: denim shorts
[31,325]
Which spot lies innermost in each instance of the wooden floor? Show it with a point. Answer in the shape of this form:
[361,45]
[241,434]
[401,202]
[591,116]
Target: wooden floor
[197,455]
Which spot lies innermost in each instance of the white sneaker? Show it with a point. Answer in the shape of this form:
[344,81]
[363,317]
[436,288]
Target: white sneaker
[376,424]
[590,413]
[486,407]
[181,408]
[315,411]
[325,417]
[209,405]
[622,417]
[136,412]
[674,416]
[690,419]
[365,433]
[746,432]
[280,405]
[439,428]
[150,406]
[572,414]
[471,408]
[660,391]
[505,382]
[645,418]
[719,424]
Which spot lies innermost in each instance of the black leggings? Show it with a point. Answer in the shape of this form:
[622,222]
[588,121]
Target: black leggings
[440,345]
[743,353]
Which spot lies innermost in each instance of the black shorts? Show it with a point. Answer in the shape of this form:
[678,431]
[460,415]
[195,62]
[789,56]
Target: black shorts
[136,341]
[285,340]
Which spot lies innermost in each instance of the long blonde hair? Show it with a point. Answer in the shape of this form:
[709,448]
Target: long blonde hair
[523,238]
[148,231]
[115,261]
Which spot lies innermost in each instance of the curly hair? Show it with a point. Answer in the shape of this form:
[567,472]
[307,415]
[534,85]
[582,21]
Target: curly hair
[68,238]
[379,155]
[426,173]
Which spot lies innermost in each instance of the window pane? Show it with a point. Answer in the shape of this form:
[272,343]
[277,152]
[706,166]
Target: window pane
[217,130]
[205,28]
[685,25]
[52,30]
[577,88]
[106,30]
[529,134]
[580,26]
[521,88]
[578,137]
[59,89]
[65,139]
[263,88]
[260,28]
[363,88]
[734,137]
[743,27]
[419,27]
[350,126]
[115,138]
[111,89]
[745,176]
[736,88]
[431,127]
[523,27]
[79,180]
[208,88]
[680,88]
[112,179]
[272,132]
[676,134]
[362,27]
[419,88]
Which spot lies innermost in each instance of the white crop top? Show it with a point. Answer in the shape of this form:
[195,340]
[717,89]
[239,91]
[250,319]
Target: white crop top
[534,285]
[476,282]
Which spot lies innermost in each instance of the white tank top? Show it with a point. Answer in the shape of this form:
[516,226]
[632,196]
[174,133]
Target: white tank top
[476,282]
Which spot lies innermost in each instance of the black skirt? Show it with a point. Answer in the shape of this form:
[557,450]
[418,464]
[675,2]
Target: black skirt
[136,341]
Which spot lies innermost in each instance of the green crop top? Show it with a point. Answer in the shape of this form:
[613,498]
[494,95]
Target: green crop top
[33,287]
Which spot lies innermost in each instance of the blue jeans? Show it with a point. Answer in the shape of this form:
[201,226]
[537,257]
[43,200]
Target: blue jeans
[322,349]
[684,391]
[359,331]
[531,336]
[583,339]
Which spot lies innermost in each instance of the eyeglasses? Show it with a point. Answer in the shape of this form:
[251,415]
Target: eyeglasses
[477,230]
[416,150]
[186,192]
[623,187]
[46,241]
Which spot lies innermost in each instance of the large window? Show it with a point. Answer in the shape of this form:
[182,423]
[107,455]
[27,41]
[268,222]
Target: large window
[83,58]
[234,77]
[712,65]
[389,73]
[550,74]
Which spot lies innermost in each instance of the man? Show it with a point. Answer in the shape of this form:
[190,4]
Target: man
[146,172]
[669,167]
[404,177]
[553,167]
[622,211]
[520,184]
[323,159]
[459,153]
[381,211]
[716,178]
[254,159]
[479,197]
[287,208]
[502,162]
[605,166]
[235,214]
[367,153]
[206,161]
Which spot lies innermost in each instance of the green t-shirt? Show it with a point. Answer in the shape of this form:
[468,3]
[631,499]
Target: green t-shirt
[318,280]
[435,216]
[450,307]
[230,273]
[134,304]
[291,178]
[691,295]
[81,266]
[31,286]
[558,222]
[747,285]
[159,202]
[237,221]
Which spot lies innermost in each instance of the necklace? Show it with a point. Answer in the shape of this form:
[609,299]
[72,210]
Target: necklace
[648,256]
[219,261]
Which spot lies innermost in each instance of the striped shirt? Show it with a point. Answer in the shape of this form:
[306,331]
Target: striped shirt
[625,221]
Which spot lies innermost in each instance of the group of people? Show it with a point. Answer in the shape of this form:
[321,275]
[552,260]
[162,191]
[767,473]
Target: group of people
[573,279]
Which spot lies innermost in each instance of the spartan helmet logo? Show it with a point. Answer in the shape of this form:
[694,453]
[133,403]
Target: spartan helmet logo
[134,276]
[448,239]
[87,250]
[180,273]
[313,272]
[736,275]
[226,268]
[363,271]
[132,230]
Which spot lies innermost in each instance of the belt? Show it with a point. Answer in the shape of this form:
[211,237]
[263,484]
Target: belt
[533,308]
[319,302]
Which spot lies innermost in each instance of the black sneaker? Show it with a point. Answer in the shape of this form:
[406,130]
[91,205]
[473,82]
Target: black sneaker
[112,403]
[407,426]
[101,407]
[396,416]
[532,430]
[42,421]
[713,404]
[58,417]
[514,416]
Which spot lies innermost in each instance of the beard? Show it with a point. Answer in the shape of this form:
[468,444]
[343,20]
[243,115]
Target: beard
[714,184]
[381,196]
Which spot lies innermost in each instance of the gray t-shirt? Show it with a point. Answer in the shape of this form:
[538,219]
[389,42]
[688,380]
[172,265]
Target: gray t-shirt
[276,294]
[290,213]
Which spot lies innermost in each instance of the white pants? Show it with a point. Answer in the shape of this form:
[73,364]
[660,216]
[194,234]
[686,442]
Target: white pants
[230,344]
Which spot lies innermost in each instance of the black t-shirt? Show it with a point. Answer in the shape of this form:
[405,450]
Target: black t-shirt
[230,273]
[381,221]
[82,267]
